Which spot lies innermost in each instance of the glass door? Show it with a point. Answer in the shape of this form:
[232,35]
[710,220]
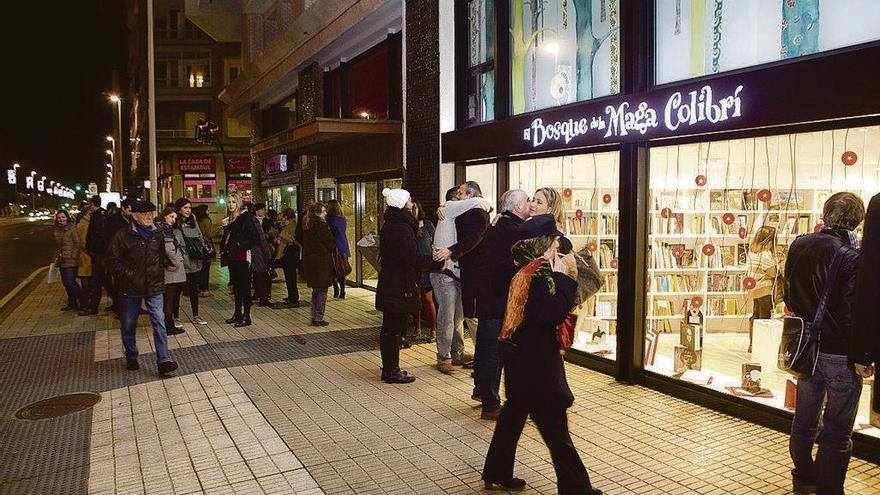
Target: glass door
[348,203]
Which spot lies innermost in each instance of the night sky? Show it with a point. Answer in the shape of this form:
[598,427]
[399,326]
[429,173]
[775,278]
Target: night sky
[58,59]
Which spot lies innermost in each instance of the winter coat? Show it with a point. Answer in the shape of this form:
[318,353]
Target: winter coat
[261,255]
[397,291]
[85,261]
[207,228]
[865,343]
[534,373]
[137,264]
[95,244]
[289,249]
[175,250]
[190,230]
[338,226]
[806,272]
[239,236]
[468,250]
[67,246]
[317,255]
[113,224]
[496,269]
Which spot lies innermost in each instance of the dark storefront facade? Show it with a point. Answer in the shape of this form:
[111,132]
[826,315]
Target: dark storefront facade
[674,131]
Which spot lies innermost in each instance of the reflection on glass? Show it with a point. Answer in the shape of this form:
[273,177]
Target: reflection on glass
[589,188]
[723,215]
[347,202]
[370,223]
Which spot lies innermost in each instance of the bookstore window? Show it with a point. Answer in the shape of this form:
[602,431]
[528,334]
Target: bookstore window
[588,186]
[699,37]
[563,51]
[722,216]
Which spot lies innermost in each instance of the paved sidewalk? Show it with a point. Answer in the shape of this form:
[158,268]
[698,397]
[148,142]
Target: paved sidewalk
[282,407]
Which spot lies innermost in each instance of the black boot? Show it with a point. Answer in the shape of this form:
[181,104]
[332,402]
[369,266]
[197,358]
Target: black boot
[397,376]
[235,319]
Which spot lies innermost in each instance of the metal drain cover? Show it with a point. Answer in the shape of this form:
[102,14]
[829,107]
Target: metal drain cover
[60,405]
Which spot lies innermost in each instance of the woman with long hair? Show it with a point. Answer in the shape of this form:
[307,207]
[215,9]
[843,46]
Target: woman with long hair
[336,220]
[542,293]
[192,234]
[762,265]
[67,250]
[241,234]
[425,240]
[206,226]
[287,255]
[318,246]
[548,201]
[175,275]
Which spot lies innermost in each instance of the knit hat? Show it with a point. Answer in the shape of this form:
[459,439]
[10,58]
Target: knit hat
[180,203]
[396,197]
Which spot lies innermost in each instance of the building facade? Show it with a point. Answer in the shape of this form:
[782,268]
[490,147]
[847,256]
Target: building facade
[191,69]
[676,133]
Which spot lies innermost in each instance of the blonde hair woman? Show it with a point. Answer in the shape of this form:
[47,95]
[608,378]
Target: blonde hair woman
[548,201]
[762,265]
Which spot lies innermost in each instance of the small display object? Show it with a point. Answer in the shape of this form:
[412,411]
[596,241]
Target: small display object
[751,377]
[790,393]
[687,359]
[651,340]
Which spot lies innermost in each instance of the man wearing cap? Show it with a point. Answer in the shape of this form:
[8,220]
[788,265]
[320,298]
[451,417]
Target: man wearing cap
[136,258]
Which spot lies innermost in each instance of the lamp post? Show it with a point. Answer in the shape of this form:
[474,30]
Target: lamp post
[33,189]
[118,139]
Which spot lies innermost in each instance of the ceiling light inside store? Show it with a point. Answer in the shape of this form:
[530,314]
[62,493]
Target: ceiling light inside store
[552,47]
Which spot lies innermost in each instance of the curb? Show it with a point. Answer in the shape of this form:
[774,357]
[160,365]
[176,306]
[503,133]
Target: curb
[20,287]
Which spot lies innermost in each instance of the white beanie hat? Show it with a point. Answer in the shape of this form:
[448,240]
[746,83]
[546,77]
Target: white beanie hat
[395,197]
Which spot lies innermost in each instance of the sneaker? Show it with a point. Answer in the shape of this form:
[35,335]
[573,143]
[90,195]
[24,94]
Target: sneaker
[198,320]
[491,415]
[174,331]
[178,323]
[511,485]
[463,359]
[167,367]
[132,365]
[445,368]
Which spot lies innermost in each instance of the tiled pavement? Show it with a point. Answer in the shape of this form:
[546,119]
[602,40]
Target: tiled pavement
[281,407]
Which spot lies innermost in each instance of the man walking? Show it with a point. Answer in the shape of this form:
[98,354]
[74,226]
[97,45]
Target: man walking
[136,258]
[496,271]
[447,282]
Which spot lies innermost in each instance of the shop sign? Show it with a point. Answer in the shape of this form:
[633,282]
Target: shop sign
[275,164]
[677,112]
[10,176]
[196,164]
[238,164]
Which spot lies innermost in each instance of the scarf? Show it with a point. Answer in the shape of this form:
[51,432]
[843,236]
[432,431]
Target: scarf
[533,267]
[146,233]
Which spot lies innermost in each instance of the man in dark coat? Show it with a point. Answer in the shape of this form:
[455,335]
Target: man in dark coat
[137,260]
[95,248]
[865,343]
[397,293]
[113,224]
[493,279]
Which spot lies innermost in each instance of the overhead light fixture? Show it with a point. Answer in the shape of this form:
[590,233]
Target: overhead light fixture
[552,47]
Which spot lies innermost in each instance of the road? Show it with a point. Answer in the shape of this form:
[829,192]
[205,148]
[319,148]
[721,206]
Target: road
[24,247]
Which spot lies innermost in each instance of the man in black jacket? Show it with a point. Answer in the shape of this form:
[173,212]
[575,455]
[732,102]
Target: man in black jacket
[496,271]
[113,224]
[865,345]
[834,382]
[137,260]
[95,250]
[470,228]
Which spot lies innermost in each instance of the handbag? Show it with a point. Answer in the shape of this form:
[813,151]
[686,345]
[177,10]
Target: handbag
[799,347]
[341,266]
[198,249]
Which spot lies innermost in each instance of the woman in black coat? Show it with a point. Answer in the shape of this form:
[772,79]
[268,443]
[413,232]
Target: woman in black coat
[534,371]
[397,292]
[241,234]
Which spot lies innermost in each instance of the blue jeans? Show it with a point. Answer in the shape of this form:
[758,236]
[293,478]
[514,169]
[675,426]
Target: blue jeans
[487,363]
[450,317]
[74,291]
[129,309]
[835,379]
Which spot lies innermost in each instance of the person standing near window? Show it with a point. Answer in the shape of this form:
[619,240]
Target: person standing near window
[241,235]
[318,245]
[67,258]
[761,265]
[834,386]
[336,220]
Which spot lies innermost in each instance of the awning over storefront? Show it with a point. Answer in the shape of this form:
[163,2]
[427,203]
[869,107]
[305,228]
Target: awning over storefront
[346,147]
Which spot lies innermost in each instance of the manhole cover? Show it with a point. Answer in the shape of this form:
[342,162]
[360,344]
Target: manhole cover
[60,405]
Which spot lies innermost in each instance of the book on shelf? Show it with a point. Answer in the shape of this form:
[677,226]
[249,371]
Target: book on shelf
[610,224]
[676,283]
[727,199]
[676,200]
[610,280]
[662,307]
[607,252]
[605,309]
[722,282]
[742,254]
[787,200]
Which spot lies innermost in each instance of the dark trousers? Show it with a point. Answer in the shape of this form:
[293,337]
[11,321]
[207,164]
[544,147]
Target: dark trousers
[261,286]
[110,285]
[171,303]
[240,275]
[205,276]
[571,475]
[487,363]
[192,287]
[339,287]
[97,282]
[74,291]
[393,326]
[290,280]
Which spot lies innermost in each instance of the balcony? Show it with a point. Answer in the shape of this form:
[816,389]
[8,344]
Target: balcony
[175,133]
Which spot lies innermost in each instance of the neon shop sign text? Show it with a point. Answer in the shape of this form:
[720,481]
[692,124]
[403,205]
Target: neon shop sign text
[680,111]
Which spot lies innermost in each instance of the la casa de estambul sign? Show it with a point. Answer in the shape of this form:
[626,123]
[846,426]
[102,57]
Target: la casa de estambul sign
[681,111]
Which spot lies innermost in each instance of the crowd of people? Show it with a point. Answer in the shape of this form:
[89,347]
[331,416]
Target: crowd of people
[512,278]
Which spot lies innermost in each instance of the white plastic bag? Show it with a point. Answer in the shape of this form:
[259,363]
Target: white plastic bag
[54,274]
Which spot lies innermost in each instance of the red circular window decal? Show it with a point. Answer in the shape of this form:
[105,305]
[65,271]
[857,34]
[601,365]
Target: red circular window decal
[566,192]
[677,252]
[708,249]
[579,214]
[728,218]
[764,195]
[749,283]
[614,263]
[606,199]
[665,213]
[591,246]
[849,158]
[697,302]
[700,180]
[743,232]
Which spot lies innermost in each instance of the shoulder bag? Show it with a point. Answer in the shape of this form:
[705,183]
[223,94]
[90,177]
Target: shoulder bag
[799,347]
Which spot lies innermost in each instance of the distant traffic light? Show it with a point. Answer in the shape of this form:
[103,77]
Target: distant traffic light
[206,132]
